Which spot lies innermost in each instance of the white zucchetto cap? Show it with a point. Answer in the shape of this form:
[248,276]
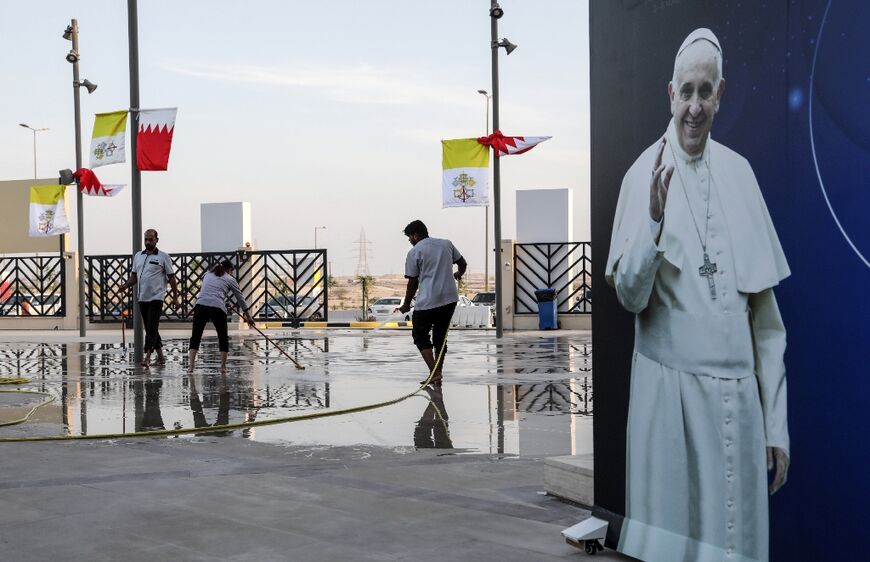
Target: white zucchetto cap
[700,34]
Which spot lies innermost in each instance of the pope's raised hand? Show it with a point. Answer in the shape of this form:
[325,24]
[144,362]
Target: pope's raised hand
[658,185]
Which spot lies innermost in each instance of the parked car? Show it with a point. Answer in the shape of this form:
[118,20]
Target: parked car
[486,298]
[18,305]
[464,301]
[583,304]
[387,308]
[288,307]
[46,305]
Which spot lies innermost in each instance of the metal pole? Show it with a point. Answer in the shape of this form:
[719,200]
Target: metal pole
[136,175]
[80,210]
[486,222]
[496,176]
[34,153]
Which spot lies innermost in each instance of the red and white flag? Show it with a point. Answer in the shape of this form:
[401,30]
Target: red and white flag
[504,146]
[154,138]
[89,184]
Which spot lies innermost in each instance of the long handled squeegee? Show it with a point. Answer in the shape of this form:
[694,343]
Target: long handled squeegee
[270,340]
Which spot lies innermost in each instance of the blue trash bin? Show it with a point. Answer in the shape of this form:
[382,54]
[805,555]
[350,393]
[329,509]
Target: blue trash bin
[548,317]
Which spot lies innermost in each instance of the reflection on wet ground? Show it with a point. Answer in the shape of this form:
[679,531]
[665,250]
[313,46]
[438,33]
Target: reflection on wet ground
[527,394]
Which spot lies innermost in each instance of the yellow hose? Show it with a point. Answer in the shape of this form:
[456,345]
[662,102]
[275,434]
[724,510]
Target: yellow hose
[49,400]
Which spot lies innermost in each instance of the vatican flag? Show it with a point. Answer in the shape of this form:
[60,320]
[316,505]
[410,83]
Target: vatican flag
[48,210]
[465,179]
[107,142]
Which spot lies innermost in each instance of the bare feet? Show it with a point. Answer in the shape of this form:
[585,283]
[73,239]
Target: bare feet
[161,360]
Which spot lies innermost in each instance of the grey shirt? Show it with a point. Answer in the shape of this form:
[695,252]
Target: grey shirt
[431,261]
[152,273]
[214,291]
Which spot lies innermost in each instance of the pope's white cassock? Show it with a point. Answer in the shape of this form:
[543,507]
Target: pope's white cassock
[708,389]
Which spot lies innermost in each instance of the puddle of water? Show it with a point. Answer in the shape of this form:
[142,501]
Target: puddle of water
[528,396]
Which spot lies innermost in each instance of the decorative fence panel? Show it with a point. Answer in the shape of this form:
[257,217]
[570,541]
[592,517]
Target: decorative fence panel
[564,266]
[32,286]
[278,285]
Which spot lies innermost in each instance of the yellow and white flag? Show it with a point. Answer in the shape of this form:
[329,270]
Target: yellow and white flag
[465,179]
[107,142]
[48,210]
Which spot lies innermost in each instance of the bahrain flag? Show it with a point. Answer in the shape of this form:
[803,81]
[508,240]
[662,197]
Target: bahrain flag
[154,138]
[504,146]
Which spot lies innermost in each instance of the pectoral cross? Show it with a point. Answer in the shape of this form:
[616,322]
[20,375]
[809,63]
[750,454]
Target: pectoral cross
[708,270]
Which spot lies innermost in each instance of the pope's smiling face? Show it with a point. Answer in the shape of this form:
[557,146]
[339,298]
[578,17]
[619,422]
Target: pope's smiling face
[695,94]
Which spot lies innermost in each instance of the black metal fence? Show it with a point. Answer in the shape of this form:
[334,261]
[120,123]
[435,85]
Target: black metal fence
[32,286]
[279,285]
[565,267]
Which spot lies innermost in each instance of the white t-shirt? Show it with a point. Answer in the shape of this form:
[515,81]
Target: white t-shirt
[152,273]
[431,261]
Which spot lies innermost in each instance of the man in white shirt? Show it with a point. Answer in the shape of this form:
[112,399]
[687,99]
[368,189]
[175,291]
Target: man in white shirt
[695,256]
[429,268]
[152,269]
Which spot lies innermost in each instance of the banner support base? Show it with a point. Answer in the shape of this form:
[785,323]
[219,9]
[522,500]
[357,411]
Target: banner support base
[587,534]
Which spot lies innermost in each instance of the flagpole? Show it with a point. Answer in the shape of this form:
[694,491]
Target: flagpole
[496,176]
[135,176]
[80,211]
[485,94]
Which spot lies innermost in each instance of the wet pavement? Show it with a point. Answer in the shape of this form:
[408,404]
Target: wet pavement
[527,395]
[454,473]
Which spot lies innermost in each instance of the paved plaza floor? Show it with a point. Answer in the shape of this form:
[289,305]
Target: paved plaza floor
[454,473]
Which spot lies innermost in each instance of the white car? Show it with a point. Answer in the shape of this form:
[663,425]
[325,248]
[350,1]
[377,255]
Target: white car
[387,308]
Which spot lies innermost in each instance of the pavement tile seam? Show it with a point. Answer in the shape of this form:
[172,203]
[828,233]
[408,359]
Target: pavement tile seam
[538,538]
[52,482]
[455,500]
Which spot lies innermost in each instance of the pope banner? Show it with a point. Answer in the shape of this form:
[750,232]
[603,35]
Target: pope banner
[107,141]
[48,211]
[465,179]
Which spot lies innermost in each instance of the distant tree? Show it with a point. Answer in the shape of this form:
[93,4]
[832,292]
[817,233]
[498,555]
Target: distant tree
[366,282]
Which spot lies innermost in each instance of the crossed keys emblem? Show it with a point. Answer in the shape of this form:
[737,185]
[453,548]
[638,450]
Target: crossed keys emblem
[463,187]
[104,150]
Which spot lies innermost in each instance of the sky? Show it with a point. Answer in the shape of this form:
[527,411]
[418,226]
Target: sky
[326,113]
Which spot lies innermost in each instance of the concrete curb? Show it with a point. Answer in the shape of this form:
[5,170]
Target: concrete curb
[321,325]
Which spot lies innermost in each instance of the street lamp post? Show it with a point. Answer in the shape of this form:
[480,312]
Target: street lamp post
[35,130]
[495,13]
[135,173]
[39,130]
[316,228]
[72,34]
[488,97]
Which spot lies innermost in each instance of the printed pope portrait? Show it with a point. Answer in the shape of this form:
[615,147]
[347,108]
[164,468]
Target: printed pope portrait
[695,257]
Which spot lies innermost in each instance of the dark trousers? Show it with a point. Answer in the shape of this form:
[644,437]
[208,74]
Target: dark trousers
[201,316]
[435,320]
[151,311]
